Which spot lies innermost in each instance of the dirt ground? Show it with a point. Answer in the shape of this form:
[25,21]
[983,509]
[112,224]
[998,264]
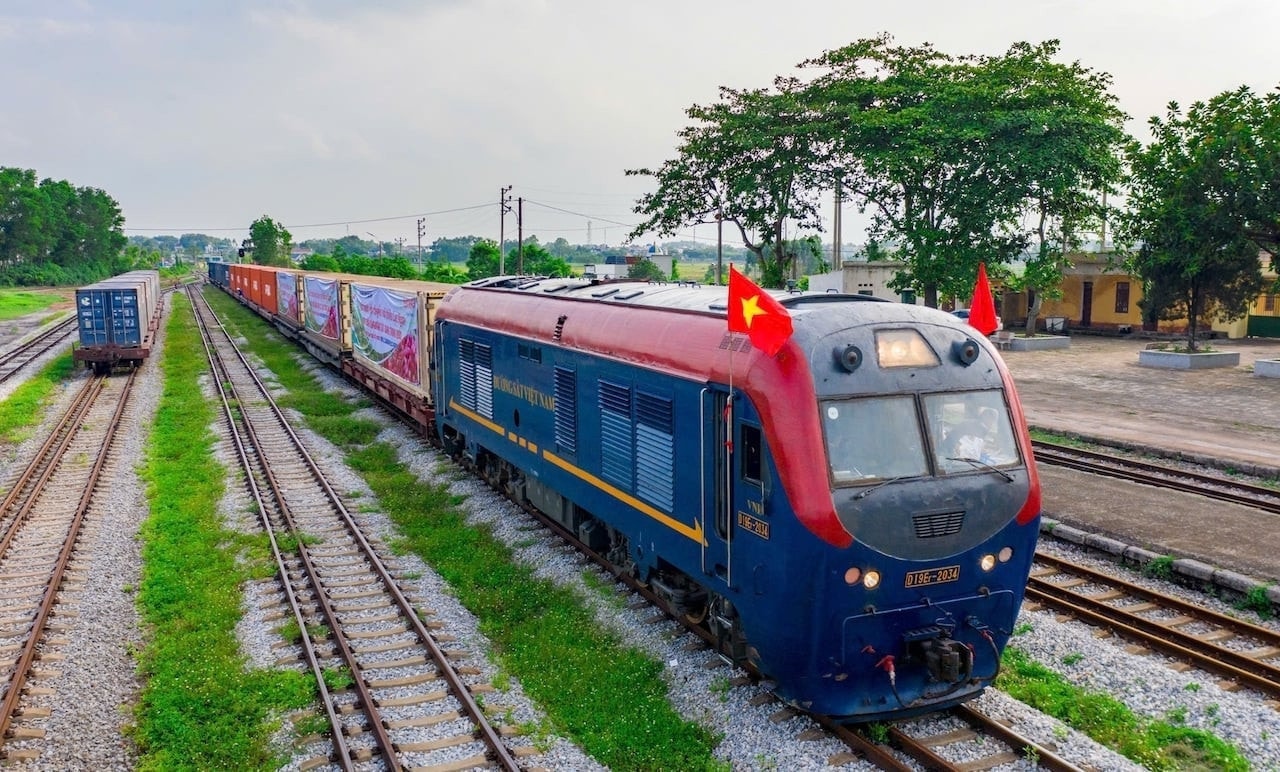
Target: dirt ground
[1096,389]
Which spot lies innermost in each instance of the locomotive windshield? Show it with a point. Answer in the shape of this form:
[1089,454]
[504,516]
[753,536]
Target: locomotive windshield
[874,439]
[970,426]
[881,438]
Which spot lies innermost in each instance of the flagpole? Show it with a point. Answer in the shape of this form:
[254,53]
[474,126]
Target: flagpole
[728,463]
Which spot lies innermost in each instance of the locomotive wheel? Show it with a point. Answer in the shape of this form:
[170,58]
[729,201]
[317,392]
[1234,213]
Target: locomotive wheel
[699,616]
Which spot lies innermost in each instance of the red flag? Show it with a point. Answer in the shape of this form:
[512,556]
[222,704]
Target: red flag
[757,313]
[982,309]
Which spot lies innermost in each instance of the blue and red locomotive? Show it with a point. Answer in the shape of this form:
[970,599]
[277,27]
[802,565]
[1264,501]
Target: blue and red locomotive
[856,515]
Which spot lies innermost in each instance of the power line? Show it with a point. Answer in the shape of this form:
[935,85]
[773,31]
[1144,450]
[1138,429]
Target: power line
[323,224]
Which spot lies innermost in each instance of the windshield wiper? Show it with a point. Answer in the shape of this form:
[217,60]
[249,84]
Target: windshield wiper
[1008,477]
[867,491]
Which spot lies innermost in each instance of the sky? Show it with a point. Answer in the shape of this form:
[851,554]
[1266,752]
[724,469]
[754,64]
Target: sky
[337,118]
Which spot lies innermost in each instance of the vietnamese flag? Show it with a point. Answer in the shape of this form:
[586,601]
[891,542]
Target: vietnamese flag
[982,309]
[757,313]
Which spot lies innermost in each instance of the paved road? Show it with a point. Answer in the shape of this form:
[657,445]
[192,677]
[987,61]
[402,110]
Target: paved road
[1096,389]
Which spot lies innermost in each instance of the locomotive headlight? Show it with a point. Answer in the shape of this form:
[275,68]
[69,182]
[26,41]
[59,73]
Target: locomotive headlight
[871,580]
[903,348]
[1004,554]
[988,562]
[852,576]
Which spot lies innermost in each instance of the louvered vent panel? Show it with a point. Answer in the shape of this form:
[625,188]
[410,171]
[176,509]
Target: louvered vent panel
[654,468]
[655,440]
[935,524]
[467,373]
[617,459]
[567,410]
[484,381]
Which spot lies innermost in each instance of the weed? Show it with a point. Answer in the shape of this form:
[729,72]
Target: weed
[1072,658]
[1159,568]
[1031,754]
[1257,601]
[338,679]
[1177,715]
[720,686]
[1022,628]
[878,733]
[1192,687]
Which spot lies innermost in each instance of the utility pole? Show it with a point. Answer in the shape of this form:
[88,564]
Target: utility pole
[835,227]
[719,247]
[520,235]
[504,206]
[422,231]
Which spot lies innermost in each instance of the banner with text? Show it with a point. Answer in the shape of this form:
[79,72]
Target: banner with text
[384,329]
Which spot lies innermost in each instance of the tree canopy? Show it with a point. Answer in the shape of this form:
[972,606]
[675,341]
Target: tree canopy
[52,232]
[948,154]
[747,162]
[1198,210]
[271,242]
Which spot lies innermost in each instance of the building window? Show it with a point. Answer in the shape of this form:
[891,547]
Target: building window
[1122,297]
[1269,303]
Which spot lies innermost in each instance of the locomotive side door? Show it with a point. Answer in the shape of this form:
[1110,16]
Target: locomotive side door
[717,484]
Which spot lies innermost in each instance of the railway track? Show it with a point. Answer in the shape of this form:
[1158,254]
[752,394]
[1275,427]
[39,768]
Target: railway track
[389,689]
[981,740]
[24,353]
[1238,652]
[1147,473]
[42,518]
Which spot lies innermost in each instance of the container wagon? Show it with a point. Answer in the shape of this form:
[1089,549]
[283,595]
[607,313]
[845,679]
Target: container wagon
[118,319]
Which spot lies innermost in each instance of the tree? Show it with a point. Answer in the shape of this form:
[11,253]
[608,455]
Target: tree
[271,242]
[646,270]
[52,232]
[949,154]
[455,250]
[1194,210]
[539,262]
[319,262]
[483,260]
[747,161]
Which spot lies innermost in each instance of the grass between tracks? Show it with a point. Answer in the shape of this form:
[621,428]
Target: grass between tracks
[15,303]
[202,707]
[1157,744]
[608,698]
[24,409]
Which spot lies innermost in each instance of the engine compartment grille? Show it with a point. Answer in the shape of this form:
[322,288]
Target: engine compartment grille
[931,525]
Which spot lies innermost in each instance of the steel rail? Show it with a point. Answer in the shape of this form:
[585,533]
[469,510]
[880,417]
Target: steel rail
[342,750]
[35,632]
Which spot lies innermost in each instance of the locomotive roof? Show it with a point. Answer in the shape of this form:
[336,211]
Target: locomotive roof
[681,295]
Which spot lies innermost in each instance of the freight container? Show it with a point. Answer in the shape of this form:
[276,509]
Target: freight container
[117,320]
[391,324]
[220,274]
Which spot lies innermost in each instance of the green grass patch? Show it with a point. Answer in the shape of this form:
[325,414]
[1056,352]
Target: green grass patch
[25,407]
[1157,744]
[201,708]
[15,303]
[1056,438]
[1159,568]
[607,697]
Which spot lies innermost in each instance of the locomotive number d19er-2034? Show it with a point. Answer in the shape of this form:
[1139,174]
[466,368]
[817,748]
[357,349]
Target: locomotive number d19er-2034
[853,508]
[850,504]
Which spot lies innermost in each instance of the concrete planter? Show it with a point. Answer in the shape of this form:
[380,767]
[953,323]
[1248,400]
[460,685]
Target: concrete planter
[1173,360]
[1039,343]
[1267,368]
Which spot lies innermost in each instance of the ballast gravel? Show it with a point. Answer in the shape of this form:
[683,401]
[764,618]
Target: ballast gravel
[97,684]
